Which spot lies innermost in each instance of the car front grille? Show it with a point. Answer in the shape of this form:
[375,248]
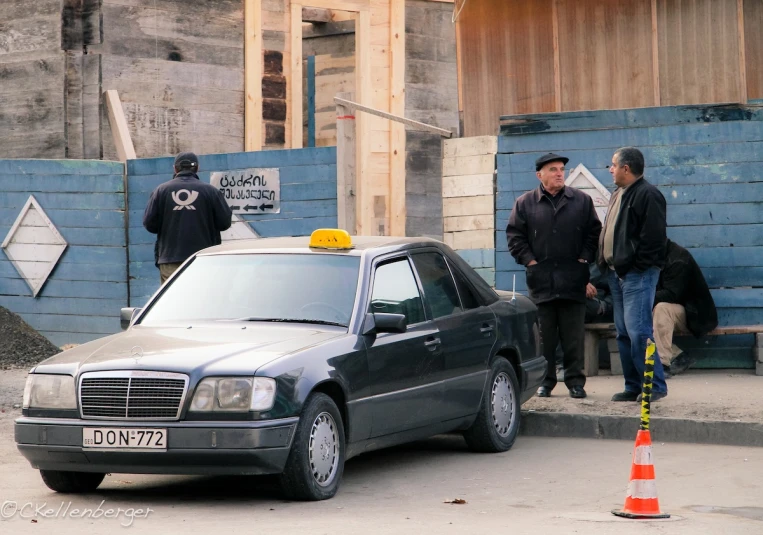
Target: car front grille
[132,395]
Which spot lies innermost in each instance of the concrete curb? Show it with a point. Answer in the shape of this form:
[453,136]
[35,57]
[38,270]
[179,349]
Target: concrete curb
[559,424]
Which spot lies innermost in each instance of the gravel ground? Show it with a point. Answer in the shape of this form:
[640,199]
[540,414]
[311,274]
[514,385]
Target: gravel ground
[22,346]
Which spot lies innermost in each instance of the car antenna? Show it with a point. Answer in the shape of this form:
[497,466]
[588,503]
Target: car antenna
[514,289]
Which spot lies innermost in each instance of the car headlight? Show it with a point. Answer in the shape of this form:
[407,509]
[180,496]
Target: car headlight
[234,394]
[49,392]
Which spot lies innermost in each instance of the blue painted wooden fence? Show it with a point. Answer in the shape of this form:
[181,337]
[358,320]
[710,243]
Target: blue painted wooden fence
[707,163]
[85,201]
[308,201]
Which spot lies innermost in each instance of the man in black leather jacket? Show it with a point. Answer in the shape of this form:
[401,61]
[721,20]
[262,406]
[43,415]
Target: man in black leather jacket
[632,251]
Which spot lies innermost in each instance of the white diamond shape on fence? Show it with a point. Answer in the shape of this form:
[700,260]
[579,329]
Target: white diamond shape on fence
[34,245]
[581,178]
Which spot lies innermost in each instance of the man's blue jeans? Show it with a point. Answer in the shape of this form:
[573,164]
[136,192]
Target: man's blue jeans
[632,299]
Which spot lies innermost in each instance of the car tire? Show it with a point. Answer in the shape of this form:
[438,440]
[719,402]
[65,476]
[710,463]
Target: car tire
[316,461]
[71,482]
[497,424]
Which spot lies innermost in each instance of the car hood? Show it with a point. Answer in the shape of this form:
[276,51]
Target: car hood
[213,347]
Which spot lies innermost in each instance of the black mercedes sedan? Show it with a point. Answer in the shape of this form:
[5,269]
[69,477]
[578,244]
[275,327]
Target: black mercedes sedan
[287,356]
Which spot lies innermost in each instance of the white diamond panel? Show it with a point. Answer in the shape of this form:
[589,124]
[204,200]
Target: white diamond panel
[34,245]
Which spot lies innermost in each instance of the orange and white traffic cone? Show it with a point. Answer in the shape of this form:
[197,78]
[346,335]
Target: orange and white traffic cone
[641,500]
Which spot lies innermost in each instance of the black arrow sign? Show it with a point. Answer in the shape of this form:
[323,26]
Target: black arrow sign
[249,207]
[264,207]
[235,208]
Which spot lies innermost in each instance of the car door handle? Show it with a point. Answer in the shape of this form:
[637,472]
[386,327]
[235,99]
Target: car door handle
[486,329]
[432,343]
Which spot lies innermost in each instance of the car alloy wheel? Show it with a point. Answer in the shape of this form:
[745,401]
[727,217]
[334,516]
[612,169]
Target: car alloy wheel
[502,404]
[324,449]
[497,424]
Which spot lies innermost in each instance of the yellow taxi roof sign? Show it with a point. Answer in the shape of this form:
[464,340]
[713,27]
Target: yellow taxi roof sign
[330,238]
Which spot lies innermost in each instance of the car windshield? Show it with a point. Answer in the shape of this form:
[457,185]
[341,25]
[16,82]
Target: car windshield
[311,288]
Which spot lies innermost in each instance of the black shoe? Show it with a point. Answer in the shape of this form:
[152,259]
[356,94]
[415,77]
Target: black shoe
[667,371]
[656,396]
[681,363]
[626,396]
[544,392]
[577,392]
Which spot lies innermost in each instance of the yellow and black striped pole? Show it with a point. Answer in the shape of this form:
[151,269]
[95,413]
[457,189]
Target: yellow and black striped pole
[646,388]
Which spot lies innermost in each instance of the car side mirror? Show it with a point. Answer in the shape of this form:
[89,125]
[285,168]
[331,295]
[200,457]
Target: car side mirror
[384,323]
[126,315]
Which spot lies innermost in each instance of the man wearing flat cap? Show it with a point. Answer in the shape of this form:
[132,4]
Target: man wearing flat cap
[186,214]
[554,231]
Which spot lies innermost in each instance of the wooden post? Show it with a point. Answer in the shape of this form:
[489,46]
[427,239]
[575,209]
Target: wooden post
[253,67]
[557,57]
[742,54]
[295,103]
[656,55]
[396,205]
[119,130]
[591,353]
[363,94]
[346,178]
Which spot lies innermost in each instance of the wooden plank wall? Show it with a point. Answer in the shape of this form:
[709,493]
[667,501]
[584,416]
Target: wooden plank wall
[468,201]
[605,54]
[178,67]
[308,201]
[32,72]
[698,51]
[515,71]
[85,201]
[332,46]
[333,74]
[753,21]
[565,55]
[431,96]
[704,159]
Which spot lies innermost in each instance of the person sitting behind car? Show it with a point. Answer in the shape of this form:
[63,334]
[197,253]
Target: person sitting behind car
[682,302]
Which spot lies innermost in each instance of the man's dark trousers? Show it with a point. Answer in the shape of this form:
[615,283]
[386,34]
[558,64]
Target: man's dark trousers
[563,320]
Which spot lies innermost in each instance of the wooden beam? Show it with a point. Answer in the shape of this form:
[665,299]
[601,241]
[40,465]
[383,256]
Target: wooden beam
[363,94]
[655,56]
[743,97]
[316,15]
[460,78]
[253,67]
[397,178]
[346,176]
[557,57]
[354,6]
[119,130]
[383,114]
[294,106]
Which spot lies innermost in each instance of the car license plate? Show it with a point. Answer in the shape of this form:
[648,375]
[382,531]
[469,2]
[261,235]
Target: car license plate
[124,438]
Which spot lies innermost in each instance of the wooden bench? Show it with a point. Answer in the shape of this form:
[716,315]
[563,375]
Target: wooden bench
[598,331]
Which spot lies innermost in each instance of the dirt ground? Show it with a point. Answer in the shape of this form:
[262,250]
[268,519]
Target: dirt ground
[728,395]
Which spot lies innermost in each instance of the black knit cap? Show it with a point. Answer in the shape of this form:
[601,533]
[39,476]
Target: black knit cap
[187,160]
[550,157]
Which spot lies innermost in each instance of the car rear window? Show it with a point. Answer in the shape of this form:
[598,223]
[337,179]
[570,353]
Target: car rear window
[316,287]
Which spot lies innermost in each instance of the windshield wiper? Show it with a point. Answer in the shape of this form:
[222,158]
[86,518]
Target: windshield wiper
[291,320]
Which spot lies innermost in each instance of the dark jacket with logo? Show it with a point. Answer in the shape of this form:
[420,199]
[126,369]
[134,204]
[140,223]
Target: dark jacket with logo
[640,230]
[187,215]
[555,237]
[682,283]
